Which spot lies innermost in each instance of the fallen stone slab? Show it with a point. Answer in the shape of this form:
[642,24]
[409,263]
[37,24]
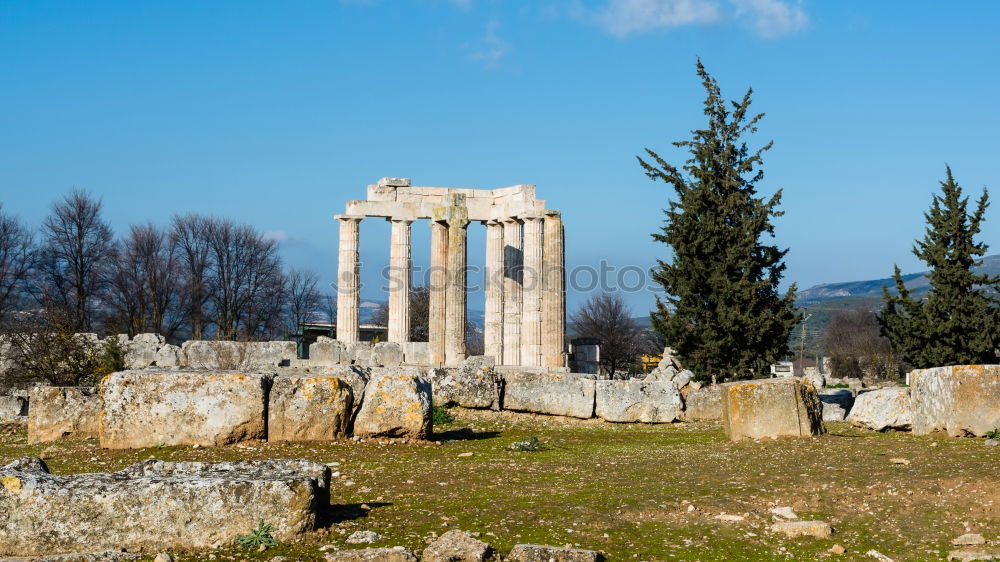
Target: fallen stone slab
[963,400]
[387,354]
[327,352]
[637,401]
[542,553]
[792,529]
[969,539]
[155,505]
[395,554]
[12,407]
[147,408]
[63,412]
[771,408]
[308,408]
[703,404]
[169,356]
[265,355]
[971,554]
[396,403]
[886,408]
[562,394]
[473,385]
[456,546]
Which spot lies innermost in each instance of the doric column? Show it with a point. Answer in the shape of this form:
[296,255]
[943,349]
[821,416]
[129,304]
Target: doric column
[400,276]
[512,292]
[348,280]
[455,303]
[531,292]
[438,280]
[493,277]
[554,293]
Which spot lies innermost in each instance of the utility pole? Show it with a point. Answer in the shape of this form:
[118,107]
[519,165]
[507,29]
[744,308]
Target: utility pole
[802,343]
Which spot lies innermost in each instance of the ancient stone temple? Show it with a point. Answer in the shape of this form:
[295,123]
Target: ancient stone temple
[524,272]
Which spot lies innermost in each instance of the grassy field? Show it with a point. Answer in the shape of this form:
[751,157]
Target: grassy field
[625,490]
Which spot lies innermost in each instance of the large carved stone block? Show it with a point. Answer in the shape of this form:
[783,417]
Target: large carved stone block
[308,408]
[387,354]
[12,407]
[155,505]
[963,400]
[638,401]
[886,408]
[327,352]
[145,408]
[57,412]
[564,394]
[397,403]
[703,404]
[783,407]
[473,385]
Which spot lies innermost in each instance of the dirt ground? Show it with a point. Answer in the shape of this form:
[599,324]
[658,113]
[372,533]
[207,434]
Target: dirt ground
[634,492]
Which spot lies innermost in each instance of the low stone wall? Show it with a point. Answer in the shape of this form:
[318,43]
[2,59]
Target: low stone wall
[155,505]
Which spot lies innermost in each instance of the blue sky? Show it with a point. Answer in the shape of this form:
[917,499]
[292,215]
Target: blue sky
[276,113]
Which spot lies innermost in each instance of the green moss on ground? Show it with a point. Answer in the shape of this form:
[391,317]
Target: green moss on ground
[624,489]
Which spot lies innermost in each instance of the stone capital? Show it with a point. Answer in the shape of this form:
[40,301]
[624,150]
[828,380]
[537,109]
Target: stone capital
[405,220]
[526,218]
[357,218]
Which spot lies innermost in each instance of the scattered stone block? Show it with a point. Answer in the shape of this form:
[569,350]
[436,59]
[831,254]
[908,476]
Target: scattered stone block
[703,404]
[771,408]
[969,539]
[842,397]
[541,553]
[308,408]
[416,353]
[169,356]
[456,546]
[359,353]
[141,351]
[63,412]
[970,554]
[396,554]
[963,400]
[387,354]
[12,407]
[833,412]
[363,537]
[396,403]
[261,355]
[145,408]
[563,394]
[155,505]
[473,385]
[327,352]
[792,529]
[632,401]
[886,408]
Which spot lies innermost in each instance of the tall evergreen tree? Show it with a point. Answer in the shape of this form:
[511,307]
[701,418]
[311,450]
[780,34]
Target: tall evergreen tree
[722,314]
[957,322]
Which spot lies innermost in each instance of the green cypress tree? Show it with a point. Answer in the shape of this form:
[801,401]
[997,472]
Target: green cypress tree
[957,322]
[722,314]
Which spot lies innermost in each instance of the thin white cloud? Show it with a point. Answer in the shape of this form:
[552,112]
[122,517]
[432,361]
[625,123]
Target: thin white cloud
[767,18]
[772,18]
[279,236]
[491,48]
[625,17]
[461,4]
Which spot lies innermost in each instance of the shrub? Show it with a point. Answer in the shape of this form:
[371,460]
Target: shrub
[440,415]
[532,445]
[995,434]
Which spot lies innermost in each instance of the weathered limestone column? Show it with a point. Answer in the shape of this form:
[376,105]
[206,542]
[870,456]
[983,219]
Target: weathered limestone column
[493,277]
[554,293]
[348,280]
[438,286]
[531,292]
[400,279]
[512,292]
[455,303]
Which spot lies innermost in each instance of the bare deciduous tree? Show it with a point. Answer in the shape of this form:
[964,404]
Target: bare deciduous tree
[607,318]
[189,235]
[74,257]
[145,285]
[304,300]
[854,342]
[17,257]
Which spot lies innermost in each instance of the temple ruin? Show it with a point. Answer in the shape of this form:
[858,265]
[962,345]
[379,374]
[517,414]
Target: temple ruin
[524,276]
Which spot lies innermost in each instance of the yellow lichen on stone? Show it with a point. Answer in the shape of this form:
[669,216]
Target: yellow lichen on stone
[12,484]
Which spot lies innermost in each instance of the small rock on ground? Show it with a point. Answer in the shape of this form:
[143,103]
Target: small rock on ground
[727,517]
[968,555]
[363,537]
[163,557]
[818,529]
[456,546]
[784,512]
[992,442]
[878,556]
[968,539]
[396,554]
[541,553]
[837,549]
